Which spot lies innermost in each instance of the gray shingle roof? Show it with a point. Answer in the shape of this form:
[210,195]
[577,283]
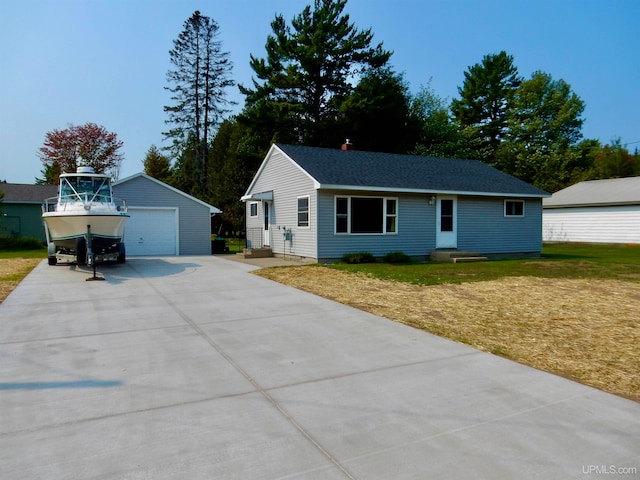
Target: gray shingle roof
[396,172]
[24,193]
[613,191]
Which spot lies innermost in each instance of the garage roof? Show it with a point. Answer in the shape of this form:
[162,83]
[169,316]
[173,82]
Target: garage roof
[212,209]
[613,191]
[24,193]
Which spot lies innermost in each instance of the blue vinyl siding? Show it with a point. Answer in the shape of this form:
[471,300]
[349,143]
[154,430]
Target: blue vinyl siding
[481,223]
[483,227]
[415,229]
[194,218]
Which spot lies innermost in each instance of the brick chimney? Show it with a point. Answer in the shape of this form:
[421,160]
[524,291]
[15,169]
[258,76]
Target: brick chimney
[347,145]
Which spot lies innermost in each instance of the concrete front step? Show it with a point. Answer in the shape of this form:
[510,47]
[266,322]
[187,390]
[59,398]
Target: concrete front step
[456,256]
[468,259]
[257,253]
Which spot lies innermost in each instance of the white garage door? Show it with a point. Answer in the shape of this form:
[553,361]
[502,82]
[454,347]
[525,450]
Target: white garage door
[151,231]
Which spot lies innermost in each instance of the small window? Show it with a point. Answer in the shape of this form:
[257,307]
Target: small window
[303,212]
[446,215]
[514,208]
[342,215]
[253,209]
[391,216]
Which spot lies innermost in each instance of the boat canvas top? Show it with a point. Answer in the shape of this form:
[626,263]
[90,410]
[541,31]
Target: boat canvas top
[86,188]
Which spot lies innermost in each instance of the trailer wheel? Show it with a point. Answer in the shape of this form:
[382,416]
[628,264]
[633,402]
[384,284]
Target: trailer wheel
[51,253]
[81,251]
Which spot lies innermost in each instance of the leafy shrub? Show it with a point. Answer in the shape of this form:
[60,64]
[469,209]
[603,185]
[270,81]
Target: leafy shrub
[19,243]
[358,257]
[396,257]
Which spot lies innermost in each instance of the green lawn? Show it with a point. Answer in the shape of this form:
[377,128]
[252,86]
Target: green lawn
[557,261]
[18,253]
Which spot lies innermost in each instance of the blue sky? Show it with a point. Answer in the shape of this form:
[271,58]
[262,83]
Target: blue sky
[69,62]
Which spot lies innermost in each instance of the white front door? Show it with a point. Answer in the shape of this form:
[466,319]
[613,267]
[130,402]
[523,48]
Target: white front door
[447,222]
[266,212]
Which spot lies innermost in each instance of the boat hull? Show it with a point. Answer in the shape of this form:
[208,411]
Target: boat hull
[65,228]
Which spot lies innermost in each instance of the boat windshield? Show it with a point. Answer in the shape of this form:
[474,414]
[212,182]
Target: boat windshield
[85,189]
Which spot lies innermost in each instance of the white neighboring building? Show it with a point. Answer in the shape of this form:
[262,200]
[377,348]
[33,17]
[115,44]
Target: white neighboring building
[597,211]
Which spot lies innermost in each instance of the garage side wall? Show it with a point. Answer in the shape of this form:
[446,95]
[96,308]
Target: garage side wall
[194,222]
[606,224]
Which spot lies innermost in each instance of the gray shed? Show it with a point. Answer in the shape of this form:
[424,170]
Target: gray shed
[164,220]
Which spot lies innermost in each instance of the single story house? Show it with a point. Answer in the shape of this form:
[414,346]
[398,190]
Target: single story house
[321,203]
[21,209]
[596,211]
[164,220]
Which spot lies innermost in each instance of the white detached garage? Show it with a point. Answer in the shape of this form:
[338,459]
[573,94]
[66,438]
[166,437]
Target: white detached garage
[164,220]
[597,211]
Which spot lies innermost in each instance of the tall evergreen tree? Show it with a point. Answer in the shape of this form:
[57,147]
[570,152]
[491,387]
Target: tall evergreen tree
[307,71]
[485,98]
[233,163]
[157,165]
[377,115]
[199,81]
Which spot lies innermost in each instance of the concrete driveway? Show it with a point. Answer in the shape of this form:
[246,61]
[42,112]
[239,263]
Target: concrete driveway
[192,368]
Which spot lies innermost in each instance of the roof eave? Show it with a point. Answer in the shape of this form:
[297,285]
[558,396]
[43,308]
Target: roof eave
[595,204]
[362,188]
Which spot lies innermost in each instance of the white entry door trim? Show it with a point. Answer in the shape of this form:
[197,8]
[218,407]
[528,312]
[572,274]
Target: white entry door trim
[267,213]
[447,221]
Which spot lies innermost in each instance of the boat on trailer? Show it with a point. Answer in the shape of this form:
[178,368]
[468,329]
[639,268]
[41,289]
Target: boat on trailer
[84,223]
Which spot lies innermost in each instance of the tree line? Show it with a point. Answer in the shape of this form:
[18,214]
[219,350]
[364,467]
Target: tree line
[321,80]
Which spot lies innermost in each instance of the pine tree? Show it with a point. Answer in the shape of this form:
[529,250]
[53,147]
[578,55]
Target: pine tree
[306,74]
[199,82]
[157,165]
[485,98]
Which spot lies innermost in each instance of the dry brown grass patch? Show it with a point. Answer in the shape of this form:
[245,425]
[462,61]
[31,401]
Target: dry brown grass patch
[586,330]
[12,270]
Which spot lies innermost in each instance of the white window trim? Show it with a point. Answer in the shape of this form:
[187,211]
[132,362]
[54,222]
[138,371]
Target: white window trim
[514,200]
[384,215]
[250,208]
[308,197]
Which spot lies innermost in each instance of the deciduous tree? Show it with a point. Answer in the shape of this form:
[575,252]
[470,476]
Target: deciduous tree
[439,135]
[90,144]
[544,124]
[615,161]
